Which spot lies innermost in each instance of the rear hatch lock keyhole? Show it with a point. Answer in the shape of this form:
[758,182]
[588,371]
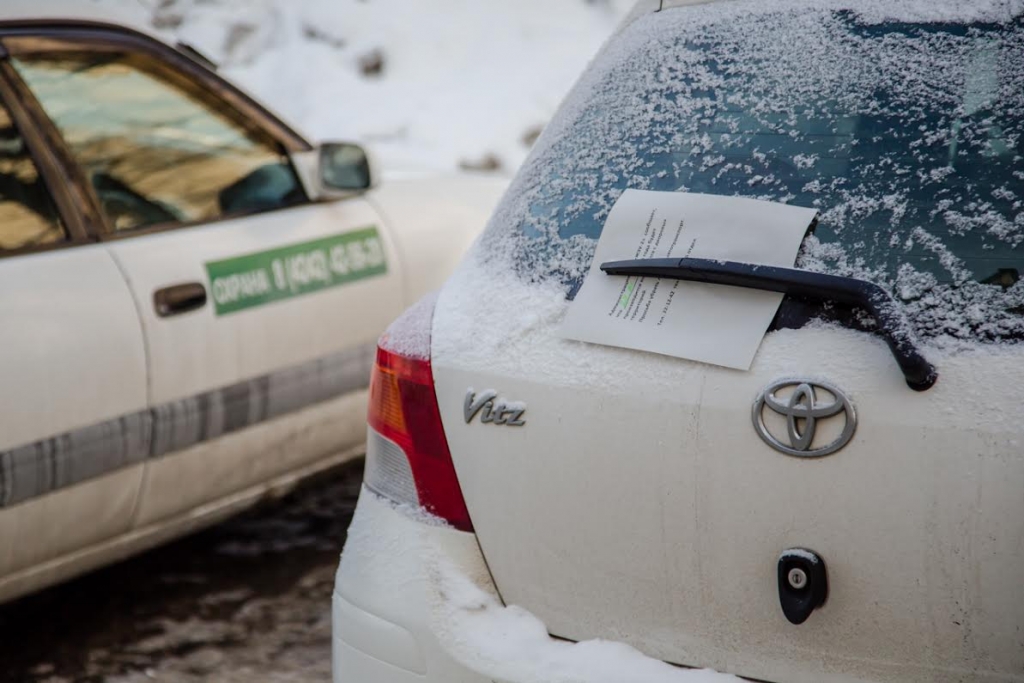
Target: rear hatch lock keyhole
[803,583]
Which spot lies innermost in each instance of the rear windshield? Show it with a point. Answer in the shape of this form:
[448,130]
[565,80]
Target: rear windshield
[906,133]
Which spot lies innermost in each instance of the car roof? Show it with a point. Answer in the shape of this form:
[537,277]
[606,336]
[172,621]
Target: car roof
[132,16]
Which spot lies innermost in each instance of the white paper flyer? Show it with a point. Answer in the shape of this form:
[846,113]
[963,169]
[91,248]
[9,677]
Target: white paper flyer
[714,324]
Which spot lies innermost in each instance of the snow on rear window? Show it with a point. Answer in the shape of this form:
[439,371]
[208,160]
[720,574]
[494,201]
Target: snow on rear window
[907,135]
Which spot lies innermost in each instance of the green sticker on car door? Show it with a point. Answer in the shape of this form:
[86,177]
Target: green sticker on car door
[262,277]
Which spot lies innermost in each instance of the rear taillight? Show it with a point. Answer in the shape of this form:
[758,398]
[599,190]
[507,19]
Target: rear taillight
[407,456]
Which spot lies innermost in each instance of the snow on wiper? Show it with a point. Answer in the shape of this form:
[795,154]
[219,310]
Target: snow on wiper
[892,324]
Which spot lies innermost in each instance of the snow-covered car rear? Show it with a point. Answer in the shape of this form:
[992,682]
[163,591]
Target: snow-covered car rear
[670,505]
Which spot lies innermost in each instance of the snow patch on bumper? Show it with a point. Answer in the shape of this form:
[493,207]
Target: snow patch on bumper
[511,644]
[431,583]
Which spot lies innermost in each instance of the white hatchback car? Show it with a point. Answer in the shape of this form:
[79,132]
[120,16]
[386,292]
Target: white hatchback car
[851,508]
[191,293]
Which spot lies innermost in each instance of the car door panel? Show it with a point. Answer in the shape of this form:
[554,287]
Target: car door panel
[306,440]
[75,421]
[214,375]
[202,350]
[201,199]
[44,536]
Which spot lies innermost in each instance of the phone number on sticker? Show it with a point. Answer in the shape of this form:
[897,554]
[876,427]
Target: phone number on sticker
[262,277]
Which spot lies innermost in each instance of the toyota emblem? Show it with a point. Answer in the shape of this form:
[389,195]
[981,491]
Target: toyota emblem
[804,405]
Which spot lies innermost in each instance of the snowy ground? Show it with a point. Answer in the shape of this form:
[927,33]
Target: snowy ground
[428,85]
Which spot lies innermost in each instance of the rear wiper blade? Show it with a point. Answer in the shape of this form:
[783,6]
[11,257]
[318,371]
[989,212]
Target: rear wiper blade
[892,324]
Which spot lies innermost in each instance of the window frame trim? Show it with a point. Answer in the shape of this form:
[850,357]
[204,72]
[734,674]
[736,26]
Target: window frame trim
[50,169]
[94,36]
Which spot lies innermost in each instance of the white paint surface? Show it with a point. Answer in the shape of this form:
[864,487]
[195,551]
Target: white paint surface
[415,602]
[638,503]
[71,355]
[72,350]
[199,351]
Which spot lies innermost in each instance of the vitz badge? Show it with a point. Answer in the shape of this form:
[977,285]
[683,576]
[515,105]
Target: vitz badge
[493,410]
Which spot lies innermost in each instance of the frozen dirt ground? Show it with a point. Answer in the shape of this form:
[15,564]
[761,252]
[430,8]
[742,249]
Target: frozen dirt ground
[248,600]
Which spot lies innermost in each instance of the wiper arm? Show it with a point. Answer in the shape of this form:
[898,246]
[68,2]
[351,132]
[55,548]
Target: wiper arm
[893,325]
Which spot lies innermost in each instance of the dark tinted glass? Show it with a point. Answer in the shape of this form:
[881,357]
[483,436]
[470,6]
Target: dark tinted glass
[156,148]
[908,137]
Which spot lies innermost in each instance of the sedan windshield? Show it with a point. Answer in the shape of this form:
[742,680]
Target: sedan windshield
[906,134]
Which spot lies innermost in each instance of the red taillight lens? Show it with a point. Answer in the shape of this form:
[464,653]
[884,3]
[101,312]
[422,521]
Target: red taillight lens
[403,408]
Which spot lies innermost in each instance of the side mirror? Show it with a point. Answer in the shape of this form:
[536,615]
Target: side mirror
[343,168]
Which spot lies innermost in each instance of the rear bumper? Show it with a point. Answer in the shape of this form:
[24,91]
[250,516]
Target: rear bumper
[385,594]
[368,648]
[414,603]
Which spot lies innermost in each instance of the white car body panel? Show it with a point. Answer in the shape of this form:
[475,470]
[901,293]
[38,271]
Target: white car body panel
[53,562]
[37,531]
[386,589]
[201,350]
[178,484]
[73,356]
[71,375]
[638,502]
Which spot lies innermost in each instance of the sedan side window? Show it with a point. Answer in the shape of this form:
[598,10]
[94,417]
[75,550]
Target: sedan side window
[28,217]
[156,148]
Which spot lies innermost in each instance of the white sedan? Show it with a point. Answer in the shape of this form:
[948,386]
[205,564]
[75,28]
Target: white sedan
[846,503]
[191,292]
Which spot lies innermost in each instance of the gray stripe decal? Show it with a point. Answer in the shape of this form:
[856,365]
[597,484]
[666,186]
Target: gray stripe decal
[54,463]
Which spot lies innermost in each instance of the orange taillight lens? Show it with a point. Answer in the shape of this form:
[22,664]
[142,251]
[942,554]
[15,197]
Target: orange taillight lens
[403,409]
